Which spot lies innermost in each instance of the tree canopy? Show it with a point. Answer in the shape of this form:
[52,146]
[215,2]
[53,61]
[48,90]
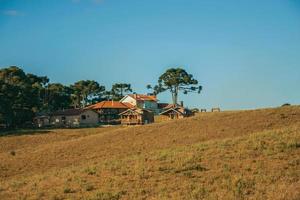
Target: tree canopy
[57,97]
[119,90]
[176,80]
[86,92]
[20,95]
[24,95]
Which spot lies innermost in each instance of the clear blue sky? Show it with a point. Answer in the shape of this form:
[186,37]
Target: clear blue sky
[245,53]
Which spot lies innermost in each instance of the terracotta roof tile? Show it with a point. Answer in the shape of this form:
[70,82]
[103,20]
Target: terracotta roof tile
[110,104]
[143,97]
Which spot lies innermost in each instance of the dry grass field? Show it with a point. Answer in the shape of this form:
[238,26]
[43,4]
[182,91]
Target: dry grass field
[228,155]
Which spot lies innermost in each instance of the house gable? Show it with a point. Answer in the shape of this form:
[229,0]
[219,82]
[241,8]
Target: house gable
[130,112]
[171,110]
[142,101]
[129,99]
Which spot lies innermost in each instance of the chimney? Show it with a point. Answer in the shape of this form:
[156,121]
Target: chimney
[181,103]
[135,95]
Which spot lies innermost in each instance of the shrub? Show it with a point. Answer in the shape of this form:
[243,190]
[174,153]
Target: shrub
[243,188]
[68,190]
[89,188]
[294,145]
[90,171]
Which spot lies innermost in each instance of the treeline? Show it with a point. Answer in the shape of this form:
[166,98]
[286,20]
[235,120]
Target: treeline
[22,95]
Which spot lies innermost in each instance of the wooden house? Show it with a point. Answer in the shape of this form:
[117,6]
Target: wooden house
[137,116]
[109,111]
[142,101]
[176,112]
[74,118]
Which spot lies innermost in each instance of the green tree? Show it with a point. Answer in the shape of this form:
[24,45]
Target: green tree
[176,80]
[20,95]
[119,90]
[85,92]
[5,103]
[38,84]
[57,97]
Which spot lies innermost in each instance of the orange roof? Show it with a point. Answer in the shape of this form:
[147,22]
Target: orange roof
[143,97]
[110,104]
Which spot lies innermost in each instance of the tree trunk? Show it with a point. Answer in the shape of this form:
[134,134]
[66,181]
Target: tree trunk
[175,95]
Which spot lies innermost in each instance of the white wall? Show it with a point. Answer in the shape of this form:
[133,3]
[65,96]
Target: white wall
[91,117]
[129,99]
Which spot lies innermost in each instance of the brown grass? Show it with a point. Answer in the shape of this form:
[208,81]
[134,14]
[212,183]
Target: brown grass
[227,155]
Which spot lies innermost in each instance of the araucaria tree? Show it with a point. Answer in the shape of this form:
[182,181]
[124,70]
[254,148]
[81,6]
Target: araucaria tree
[118,90]
[57,97]
[176,80]
[86,92]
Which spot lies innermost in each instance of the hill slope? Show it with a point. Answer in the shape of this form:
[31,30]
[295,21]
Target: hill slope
[228,155]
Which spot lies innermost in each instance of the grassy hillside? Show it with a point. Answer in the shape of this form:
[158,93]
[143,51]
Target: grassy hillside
[228,155]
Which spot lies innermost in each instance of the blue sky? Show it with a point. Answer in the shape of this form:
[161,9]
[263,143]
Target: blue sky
[245,53]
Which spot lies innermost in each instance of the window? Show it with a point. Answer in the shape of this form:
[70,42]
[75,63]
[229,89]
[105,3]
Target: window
[83,117]
[63,118]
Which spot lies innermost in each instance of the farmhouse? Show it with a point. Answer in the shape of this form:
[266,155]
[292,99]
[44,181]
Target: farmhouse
[136,116]
[74,118]
[109,111]
[176,112]
[142,101]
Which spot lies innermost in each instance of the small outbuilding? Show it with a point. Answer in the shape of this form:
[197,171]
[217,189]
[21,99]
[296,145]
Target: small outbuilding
[74,118]
[41,120]
[137,116]
[176,112]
